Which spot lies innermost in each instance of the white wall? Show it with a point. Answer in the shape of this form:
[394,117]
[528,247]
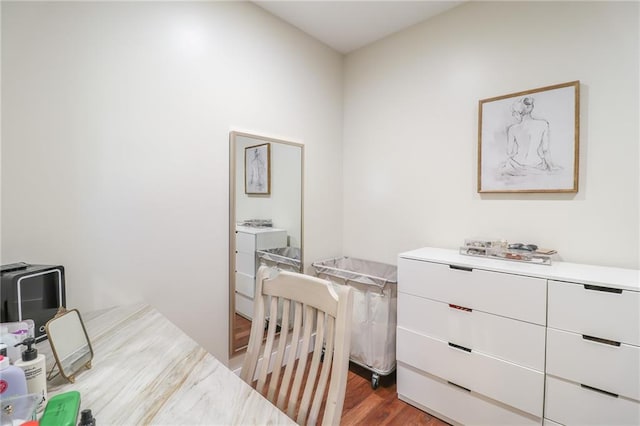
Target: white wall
[410,132]
[115,144]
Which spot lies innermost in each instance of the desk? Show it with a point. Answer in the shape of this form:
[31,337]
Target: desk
[147,371]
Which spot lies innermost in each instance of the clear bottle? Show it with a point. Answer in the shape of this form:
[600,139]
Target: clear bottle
[12,379]
[34,367]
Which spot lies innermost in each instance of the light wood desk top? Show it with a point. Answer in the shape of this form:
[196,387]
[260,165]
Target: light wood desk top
[147,371]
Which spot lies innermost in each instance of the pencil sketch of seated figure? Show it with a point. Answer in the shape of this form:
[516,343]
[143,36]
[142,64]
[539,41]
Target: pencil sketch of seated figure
[528,148]
[257,171]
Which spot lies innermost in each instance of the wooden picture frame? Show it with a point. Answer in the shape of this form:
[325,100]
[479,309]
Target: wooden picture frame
[257,169]
[529,141]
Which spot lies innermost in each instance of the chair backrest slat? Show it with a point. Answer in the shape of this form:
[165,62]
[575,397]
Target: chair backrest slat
[324,373]
[266,357]
[291,358]
[255,337]
[321,324]
[312,375]
[282,344]
[302,360]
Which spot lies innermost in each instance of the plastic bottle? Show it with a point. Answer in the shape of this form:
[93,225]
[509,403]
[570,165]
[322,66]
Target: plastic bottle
[34,367]
[12,379]
[86,418]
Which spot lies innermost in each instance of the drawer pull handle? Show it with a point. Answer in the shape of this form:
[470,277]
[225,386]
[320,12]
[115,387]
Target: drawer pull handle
[453,345]
[460,268]
[599,340]
[605,289]
[599,390]
[458,386]
[462,308]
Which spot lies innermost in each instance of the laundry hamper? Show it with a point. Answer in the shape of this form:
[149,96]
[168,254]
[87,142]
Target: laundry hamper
[285,259]
[373,331]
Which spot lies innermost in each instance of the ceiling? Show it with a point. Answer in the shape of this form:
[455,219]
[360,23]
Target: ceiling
[349,25]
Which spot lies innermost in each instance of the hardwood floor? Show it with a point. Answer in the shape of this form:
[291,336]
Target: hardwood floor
[365,406]
[241,331]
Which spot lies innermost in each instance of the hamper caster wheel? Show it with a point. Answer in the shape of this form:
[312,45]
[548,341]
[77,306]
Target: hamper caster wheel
[375,381]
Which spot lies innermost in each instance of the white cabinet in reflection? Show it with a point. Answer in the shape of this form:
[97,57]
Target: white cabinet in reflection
[248,241]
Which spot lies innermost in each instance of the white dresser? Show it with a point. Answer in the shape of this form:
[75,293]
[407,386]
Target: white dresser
[593,355]
[473,335]
[248,241]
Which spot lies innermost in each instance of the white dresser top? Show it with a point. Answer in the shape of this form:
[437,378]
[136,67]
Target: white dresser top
[255,230]
[626,279]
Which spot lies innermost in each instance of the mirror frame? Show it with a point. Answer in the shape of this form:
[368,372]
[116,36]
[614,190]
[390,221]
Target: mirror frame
[232,221]
[69,375]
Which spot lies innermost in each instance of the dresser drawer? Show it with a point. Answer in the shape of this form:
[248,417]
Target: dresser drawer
[271,239]
[595,311]
[571,404]
[614,369]
[244,306]
[245,284]
[455,404]
[245,242]
[508,339]
[246,263]
[514,385]
[513,296]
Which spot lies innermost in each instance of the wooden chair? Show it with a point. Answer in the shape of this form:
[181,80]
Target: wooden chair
[319,311]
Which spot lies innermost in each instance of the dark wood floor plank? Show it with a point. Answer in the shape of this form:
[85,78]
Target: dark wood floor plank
[409,415]
[366,406]
[379,414]
[357,391]
[357,414]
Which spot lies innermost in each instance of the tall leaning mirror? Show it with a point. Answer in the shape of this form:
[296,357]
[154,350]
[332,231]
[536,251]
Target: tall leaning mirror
[265,220]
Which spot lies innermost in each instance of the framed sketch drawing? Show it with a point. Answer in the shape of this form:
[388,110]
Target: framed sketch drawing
[528,141]
[257,169]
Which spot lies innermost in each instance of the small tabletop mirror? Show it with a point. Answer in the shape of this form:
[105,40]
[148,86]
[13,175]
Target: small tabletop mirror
[69,343]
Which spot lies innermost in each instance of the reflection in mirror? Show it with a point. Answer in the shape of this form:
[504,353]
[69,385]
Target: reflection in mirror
[69,343]
[265,220]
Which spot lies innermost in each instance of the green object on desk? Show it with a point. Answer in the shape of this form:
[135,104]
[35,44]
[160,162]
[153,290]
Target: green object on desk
[62,410]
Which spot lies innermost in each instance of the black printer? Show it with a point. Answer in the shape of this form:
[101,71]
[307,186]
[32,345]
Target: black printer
[31,292]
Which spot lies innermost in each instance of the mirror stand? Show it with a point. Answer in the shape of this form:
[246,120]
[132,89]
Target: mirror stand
[69,343]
